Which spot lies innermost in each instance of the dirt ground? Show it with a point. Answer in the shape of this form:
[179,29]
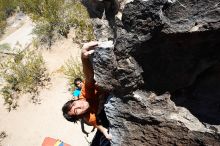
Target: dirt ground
[31,123]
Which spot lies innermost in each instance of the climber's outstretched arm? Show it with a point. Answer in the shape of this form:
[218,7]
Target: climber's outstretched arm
[87,50]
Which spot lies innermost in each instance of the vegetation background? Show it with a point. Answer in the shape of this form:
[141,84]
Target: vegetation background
[43,73]
[25,71]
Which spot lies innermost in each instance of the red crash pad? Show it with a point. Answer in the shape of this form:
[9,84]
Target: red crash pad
[48,141]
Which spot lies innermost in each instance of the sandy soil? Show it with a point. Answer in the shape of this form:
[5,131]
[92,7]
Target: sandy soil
[31,123]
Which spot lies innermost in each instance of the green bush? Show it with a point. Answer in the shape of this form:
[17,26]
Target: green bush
[4,47]
[2,21]
[45,14]
[52,17]
[77,17]
[44,33]
[2,26]
[56,17]
[7,8]
[73,69]
[23,73]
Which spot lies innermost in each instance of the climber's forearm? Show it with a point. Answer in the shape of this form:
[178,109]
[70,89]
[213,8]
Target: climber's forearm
[104,131]
[87,50]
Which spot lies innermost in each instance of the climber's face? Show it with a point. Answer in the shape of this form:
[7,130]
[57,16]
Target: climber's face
[78,107]
[79,84]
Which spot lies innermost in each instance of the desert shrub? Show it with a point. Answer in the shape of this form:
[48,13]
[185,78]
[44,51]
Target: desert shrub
[2,136]
[2,25]
[72,70]
[45,14]
[5,50]
[2,21]
[4,47]
[56,17]
[77,17]
[7,8]
[44,33]
[23,73]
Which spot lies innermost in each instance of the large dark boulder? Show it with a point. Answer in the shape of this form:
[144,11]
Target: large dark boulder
[149,120]
[163,46]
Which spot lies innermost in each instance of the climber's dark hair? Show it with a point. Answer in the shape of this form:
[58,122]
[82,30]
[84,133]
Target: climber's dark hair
[66,108]
[77,80]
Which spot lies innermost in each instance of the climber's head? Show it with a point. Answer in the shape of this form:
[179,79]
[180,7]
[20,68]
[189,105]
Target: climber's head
[74,110]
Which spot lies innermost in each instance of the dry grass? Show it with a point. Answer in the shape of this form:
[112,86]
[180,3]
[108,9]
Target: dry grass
[72,70]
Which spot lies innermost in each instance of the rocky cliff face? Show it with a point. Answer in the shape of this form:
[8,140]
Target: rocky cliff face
[163,46]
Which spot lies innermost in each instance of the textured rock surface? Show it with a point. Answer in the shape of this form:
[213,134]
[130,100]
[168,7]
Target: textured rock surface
[163,45]
[146,119]
[158,37]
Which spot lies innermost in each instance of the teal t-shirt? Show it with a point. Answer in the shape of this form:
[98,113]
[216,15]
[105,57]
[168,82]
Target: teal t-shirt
[76,92]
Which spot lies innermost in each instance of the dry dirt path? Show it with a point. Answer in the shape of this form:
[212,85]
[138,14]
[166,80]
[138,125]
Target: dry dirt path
[19,33]
[31,123]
